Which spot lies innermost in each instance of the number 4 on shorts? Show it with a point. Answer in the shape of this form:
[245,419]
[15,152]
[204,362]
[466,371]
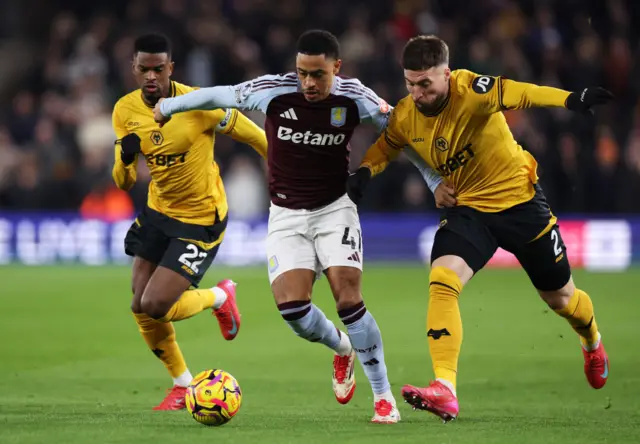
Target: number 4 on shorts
[350,240]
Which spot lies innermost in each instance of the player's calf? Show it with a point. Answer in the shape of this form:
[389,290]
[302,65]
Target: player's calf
[310,323]
[292,293]
[363,331]
[167,299]
[576,307]
[162,291]
[141,273]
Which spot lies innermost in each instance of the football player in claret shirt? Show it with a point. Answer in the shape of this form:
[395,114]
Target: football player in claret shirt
[313,225]
[176,237]
[454,121]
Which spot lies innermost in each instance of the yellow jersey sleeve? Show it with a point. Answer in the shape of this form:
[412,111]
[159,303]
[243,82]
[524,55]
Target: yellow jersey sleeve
[496,94]
[240,128]
[387,147]
[123,175]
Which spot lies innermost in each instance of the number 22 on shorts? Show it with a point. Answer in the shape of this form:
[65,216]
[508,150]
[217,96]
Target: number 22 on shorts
[193,253]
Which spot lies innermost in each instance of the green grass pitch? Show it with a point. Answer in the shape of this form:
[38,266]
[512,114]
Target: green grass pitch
[73,368]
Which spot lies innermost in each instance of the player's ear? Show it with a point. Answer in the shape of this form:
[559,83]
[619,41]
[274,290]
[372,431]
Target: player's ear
[171,65]
[447,73]
[336,66]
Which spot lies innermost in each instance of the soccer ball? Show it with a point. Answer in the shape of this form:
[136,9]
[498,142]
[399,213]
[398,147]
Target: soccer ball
[213,397]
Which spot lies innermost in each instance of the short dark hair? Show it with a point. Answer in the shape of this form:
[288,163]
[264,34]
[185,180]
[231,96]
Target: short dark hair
[152,44]
[424,52]
[319,42]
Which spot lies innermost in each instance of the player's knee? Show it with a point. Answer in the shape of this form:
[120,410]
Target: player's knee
[559,299]
[293,285]
[347,300]
[443,278]
[346,288]
[154,308]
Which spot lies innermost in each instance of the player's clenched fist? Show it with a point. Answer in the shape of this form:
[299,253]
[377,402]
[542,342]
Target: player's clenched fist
[129,147]
[356,184]
[158,116]
[445,195]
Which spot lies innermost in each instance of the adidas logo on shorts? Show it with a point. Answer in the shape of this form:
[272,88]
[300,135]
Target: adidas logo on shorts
[354,257]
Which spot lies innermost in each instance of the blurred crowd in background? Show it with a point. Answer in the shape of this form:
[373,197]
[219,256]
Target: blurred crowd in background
[56,139]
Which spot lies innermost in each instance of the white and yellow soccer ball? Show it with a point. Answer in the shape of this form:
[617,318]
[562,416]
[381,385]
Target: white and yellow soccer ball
[213,397]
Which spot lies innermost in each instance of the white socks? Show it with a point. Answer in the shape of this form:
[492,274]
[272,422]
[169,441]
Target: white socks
[184,379]
[221,297]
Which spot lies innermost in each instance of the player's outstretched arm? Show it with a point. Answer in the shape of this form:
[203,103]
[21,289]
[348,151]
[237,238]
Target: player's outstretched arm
[201,99]
[519,95]
[127,148]
[248,96]
[244,130]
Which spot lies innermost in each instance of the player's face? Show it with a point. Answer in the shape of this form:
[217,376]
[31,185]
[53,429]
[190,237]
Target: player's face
[316,74]
[428,88]
[153,73]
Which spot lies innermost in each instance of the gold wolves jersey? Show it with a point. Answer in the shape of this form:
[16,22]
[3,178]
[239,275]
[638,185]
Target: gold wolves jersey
[468,140]
[185,179]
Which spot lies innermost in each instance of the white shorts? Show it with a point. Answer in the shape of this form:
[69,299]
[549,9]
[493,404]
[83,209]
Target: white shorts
[314,239]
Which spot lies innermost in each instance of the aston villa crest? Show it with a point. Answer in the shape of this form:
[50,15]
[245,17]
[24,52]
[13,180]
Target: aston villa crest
[338,116]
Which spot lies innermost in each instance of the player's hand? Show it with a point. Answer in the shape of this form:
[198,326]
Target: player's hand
[445,195]
[129,147]
[583,101]
[158,116]
[356,184]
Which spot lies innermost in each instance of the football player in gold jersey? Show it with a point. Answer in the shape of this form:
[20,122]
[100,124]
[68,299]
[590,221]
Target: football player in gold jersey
[453,122]
[176,237]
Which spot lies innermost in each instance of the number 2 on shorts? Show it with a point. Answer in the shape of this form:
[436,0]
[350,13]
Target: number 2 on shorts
[555,237]
[187,258]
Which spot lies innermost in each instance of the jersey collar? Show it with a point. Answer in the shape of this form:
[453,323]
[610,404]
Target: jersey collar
[443,106]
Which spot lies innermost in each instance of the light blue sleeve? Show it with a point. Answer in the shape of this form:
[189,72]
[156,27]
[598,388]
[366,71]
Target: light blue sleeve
[251,95]
[375,110]
[372,109]
[429,175]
